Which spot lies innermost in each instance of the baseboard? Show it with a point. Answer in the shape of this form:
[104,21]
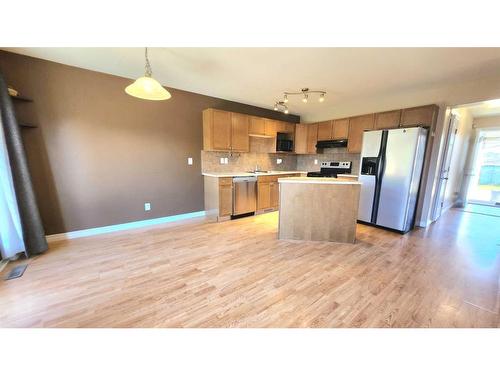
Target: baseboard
[423,223]
[124,226]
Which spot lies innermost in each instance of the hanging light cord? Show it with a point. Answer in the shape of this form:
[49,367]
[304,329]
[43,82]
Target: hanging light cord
[149,72]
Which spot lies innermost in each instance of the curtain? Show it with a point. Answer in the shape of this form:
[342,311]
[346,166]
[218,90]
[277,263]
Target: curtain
[21,227]
[11,236]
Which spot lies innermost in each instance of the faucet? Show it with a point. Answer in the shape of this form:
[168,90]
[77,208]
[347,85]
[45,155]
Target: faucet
[257,168]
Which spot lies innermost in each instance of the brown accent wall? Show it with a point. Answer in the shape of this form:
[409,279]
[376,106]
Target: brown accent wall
[98,154]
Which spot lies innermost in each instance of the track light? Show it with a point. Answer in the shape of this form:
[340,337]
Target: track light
[285,99]
[304,99]
[276,107]
[285,111]
[321,98]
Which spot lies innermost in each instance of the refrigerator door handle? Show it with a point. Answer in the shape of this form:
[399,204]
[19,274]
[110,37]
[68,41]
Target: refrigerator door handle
[379,175]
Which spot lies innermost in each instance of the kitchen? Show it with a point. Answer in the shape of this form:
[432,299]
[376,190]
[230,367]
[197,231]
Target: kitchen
[246,161]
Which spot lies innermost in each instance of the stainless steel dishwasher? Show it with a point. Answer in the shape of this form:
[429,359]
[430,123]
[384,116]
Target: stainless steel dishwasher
[244,195]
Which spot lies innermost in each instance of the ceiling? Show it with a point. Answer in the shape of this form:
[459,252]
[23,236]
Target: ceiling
[258,76]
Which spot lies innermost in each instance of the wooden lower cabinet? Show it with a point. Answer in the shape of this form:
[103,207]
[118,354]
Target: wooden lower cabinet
[218,197]
[274,191]
[225,196]
[268,191]
[263,195]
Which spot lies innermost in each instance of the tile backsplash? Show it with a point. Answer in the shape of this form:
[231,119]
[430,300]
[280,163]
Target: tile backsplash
[306,162]
[241,162]
[261,154]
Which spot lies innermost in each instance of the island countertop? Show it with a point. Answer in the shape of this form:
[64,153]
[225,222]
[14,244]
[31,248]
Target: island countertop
[344,180]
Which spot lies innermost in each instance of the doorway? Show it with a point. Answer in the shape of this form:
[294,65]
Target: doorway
[469,173]
[484,188]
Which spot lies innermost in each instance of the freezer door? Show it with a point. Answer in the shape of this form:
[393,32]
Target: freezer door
[366,198]
[401,173]
[367,173]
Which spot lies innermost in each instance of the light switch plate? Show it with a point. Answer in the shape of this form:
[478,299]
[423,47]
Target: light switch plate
[315,161]
[279,161]
[190,161]
[147,206]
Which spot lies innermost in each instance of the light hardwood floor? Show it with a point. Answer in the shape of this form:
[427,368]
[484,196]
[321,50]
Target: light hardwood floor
[237,274]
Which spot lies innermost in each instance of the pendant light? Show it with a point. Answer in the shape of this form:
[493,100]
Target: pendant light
[147,87]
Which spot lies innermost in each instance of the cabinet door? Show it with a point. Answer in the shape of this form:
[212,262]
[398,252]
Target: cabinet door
[257,126]
[325,131]
[270,127]
[387,120]
[274,193]
[239,135]
[225,199]
[312,138]
[290,128]
[221,130]
[340,128]
[300,139]
[357,125]
[419,116]
[280,127]
[263,195]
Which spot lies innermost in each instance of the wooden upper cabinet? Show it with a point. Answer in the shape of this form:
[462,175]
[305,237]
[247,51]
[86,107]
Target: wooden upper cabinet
[387,120]
[280,127]
[216,130]
[312,138]
[239,132]
[340,128]
[289,128]
[419,116]
[257,126]
[300,139]
[270,127]
[357,125]
[325,131]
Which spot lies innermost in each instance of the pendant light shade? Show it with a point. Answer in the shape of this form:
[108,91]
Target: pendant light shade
[147,87]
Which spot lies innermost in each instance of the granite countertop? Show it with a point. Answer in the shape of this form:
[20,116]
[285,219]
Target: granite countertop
[247,174]
[318,180]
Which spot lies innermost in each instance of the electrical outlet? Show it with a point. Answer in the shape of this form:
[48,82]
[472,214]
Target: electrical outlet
[315,161]
[190,161]
[222,160]
[226,161]
[279,161]
[147,206]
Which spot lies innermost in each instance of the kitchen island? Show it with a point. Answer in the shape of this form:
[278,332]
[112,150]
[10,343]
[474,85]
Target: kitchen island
[318,209]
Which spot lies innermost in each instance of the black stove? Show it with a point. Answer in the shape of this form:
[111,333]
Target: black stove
[332,169]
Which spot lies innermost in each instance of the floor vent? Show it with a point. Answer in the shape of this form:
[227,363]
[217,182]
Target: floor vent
[16,272]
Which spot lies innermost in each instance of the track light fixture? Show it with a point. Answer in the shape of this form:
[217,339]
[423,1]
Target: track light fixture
[305,92]
[281,106]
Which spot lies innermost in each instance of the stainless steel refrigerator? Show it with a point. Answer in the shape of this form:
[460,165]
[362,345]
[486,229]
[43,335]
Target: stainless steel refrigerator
[390,171]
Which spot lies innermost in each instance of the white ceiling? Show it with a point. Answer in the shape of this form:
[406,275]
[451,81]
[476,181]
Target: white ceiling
[258,76]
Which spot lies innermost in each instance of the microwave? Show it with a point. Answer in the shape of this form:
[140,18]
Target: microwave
[283,143]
